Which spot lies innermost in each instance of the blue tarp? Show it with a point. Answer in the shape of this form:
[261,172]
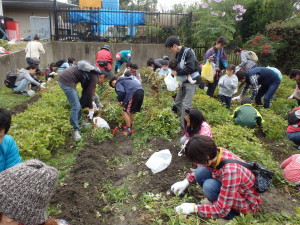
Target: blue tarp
[105,17]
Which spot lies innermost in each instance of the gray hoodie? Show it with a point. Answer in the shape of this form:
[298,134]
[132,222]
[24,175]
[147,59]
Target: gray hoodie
[227,85]
[24,74]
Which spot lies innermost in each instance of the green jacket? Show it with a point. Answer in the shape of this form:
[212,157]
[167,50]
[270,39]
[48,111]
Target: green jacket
[247,116]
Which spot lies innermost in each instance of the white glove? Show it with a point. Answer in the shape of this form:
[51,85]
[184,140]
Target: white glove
[91,114]
[180,186]
[291,97]
[237,68]
[43,83]
[236,98]
[42,86]
[53,73]
[235,91]
[186,208]
[118,70]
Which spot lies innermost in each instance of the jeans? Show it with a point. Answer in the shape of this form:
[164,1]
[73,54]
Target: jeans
[211,187]
[226,100]
[184,99]
[22,86]
[294,137]
[73,99]
[268,93]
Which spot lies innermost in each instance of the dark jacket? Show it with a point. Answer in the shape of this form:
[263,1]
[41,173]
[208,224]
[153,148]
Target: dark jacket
[266,76]
[126,87]
[72,76]
[191,64]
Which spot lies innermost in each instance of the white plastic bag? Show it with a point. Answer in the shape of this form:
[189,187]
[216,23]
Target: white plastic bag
[159,161]
[99,122]
[171,82]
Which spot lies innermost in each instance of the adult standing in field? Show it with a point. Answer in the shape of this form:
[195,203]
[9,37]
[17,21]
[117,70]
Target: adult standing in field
[295,75]
[217,56]
[264,82]
[88,76]
[122,57]
[229,190]
[188,65]
[33,50]
[247,62]
[104,60]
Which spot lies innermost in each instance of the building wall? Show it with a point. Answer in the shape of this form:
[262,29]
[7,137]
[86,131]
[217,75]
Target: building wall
[81,50]
[24,19]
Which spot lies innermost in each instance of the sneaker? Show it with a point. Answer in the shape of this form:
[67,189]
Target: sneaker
[127,132]
[24,93]
[298,187]
[76,135]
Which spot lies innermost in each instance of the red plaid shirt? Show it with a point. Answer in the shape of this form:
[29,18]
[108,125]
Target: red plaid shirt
[237,190]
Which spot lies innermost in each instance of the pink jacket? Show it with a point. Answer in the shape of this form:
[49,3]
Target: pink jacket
[205,130]
[291,168]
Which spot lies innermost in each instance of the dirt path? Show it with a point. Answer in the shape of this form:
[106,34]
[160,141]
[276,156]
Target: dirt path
[114,168]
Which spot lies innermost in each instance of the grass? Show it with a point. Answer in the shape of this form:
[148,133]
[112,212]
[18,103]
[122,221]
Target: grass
[9,100]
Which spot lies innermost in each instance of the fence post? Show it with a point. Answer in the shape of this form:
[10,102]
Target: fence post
[55,20]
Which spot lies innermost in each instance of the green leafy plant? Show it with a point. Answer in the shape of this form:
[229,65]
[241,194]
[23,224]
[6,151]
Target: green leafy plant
[101,134]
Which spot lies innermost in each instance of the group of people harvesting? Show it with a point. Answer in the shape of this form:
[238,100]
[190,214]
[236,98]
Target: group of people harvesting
[229,190]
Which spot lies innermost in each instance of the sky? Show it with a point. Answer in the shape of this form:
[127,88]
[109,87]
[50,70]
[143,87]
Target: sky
[167,4]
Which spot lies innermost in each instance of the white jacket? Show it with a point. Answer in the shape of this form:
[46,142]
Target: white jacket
[33,49]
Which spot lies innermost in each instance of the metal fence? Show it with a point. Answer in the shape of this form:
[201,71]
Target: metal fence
[116,25]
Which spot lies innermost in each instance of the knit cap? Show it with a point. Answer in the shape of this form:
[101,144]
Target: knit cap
[25,191]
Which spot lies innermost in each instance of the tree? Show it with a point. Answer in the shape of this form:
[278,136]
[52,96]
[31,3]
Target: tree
[139,5]
[260,13]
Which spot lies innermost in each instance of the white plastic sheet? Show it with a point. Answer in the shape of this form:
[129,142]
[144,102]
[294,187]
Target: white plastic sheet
[159,161]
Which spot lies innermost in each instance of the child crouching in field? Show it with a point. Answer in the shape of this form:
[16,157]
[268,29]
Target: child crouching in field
[246,115]
[227,84]
[291,169]
[130,95]
[195,124]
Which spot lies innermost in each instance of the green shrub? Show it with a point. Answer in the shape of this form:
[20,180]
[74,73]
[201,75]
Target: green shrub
[282,106]
[44,126]
[286,88]
[157,122]
[274,126]
[112,113]
[4,44]
[214,112]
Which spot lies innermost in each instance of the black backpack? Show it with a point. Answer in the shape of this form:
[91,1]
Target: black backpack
[11,79]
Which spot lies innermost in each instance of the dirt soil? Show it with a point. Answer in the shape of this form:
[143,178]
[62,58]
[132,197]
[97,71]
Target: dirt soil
[23,106]
[82,197]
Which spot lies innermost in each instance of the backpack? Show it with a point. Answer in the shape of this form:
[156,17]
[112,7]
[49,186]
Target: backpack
[60,62]
[10,79]
[263,176]
[253,56]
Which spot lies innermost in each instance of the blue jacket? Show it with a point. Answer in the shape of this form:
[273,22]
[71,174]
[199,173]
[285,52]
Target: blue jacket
[126,57]
[9,153]
[126,87]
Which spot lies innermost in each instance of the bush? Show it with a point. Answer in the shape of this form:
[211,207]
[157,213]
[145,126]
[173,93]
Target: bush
[287,33]
[112,113]
[44,126]
[4,44]
[274,125]
[213,110]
